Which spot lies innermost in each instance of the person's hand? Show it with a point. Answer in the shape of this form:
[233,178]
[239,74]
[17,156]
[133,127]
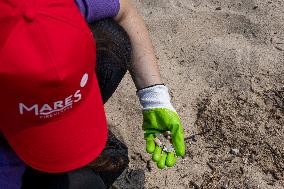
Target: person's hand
[155,122]
[159,117]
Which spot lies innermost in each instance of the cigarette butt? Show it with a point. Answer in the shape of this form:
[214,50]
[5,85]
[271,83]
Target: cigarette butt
[158,142]
[167,133]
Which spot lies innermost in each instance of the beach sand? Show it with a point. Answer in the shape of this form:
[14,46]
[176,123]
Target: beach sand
[223,62]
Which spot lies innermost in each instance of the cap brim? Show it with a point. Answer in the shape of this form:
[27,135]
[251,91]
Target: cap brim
[65,144]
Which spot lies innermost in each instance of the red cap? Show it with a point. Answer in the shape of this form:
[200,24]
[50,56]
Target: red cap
[51,108]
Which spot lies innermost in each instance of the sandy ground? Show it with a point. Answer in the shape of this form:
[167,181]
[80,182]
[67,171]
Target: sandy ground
[223,62]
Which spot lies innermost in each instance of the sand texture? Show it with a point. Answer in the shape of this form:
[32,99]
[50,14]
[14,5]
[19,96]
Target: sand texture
[223,62]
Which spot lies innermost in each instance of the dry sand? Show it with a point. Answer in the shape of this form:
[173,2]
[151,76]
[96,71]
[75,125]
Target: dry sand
[223,61]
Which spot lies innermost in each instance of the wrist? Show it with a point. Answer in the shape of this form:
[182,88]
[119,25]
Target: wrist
[149,87]
[156,96]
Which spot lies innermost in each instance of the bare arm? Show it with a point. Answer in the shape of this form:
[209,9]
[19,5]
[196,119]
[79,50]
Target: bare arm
[144,69]
[157,108]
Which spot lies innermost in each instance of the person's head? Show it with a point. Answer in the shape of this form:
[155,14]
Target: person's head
[51,109]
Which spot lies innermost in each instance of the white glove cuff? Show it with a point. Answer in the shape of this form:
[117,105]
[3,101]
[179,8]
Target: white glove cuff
[155,97]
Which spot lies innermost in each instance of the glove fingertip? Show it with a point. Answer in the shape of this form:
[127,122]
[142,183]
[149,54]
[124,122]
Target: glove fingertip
[171,159]
[162,163]
[150,150]
[179,148]
[157,154]
[180,153]
[150,146]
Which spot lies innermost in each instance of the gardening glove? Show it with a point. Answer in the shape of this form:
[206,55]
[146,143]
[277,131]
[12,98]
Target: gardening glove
[160,117]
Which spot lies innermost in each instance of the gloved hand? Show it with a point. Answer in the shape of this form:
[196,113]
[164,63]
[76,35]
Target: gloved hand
[159,116]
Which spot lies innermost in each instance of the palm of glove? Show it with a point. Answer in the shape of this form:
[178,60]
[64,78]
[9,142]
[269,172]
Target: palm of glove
[159,120]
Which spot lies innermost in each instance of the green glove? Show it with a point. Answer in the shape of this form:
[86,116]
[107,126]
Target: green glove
[158,117]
